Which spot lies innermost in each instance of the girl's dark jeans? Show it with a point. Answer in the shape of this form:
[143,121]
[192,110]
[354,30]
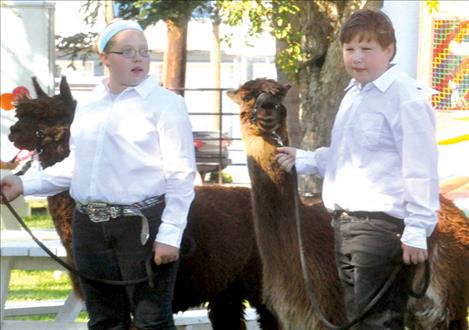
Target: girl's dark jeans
[367,251]
[112,250]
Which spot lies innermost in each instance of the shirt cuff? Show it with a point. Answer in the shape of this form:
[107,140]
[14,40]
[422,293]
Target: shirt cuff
[169,234]
[304,160]
[415,237]
[31,184]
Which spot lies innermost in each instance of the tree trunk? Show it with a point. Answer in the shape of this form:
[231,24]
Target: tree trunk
[291,102]
[215,63]
[108,11]
[174,67]
[322,78]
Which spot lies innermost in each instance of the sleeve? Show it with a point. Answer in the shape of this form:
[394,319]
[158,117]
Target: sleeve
[419,154]
[52,180]
[312,162]
[177,150]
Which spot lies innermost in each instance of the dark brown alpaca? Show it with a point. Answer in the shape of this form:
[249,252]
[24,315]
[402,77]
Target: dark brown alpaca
[222,265]
[273,192]
[445,306]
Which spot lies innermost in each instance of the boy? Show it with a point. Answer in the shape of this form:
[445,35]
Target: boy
[380,172]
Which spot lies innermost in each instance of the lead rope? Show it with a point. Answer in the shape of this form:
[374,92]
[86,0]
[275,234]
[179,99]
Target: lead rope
[307,281]
[150,269]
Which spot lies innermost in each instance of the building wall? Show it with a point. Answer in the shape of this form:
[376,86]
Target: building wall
[27,49]
[405,18]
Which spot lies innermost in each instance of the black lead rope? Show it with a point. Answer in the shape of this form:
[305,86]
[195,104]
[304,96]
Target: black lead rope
[150,267]
[25,167]
[307,280]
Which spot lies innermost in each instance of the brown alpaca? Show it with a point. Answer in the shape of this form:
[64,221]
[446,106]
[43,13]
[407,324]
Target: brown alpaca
[273,191]
[220,263]
[445,306]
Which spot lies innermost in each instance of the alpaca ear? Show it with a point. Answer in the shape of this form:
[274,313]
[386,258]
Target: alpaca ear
[66,95]
[286,88]
[39,92]
[232,94]
[65,92]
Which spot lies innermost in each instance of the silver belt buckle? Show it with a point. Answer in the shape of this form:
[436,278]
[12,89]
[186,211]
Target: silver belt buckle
[113,211]
[98,212]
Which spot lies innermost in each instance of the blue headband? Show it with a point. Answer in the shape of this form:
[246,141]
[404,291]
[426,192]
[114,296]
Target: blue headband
[112,29]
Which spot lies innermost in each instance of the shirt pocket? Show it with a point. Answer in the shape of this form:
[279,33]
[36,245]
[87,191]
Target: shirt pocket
[367,130]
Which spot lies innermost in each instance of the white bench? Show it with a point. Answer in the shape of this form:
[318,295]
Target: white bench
[190,320]
[18,251]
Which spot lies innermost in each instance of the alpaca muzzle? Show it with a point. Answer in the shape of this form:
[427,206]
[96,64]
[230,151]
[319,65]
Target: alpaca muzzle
[265,114]
[266,111]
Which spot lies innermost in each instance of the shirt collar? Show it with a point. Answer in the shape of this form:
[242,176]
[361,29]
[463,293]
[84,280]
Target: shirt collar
[382,82]
[387,78]
[146,86]
[143,89]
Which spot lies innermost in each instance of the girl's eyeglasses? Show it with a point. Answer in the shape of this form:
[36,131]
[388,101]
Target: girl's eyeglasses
[131,52]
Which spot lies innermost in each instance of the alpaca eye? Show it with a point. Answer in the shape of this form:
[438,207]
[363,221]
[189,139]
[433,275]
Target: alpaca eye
[247,98]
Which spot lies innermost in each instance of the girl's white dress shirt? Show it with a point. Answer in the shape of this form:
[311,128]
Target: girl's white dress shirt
[125,149]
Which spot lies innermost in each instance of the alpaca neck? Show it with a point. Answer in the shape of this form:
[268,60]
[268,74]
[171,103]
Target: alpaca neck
[273,189]
[52,155]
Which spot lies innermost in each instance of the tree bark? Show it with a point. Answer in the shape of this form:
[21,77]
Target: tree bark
[174,67]
[291,102]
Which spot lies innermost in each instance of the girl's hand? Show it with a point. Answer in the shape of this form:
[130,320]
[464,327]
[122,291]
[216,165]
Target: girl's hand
[165,253]
[11,187]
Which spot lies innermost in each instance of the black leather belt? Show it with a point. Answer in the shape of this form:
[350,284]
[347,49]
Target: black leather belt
[103,212]
[365,215]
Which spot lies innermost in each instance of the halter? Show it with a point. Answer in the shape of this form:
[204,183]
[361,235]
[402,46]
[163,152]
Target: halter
[40,135]
[260,98]
[37,151]
[39,140]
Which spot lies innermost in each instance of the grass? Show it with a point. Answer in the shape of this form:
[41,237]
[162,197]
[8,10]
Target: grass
[35,285]
[38,285]
[39,219]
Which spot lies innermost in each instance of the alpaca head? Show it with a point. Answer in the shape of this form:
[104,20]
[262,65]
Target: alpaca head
[44,123]
[262,112]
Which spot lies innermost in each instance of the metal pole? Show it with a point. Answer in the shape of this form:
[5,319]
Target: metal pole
[220,126]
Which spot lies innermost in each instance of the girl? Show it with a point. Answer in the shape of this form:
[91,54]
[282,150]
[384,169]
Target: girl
[130,170]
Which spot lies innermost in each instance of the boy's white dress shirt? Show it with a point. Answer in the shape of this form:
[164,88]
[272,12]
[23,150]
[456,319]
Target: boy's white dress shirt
[126,148]
[383,155]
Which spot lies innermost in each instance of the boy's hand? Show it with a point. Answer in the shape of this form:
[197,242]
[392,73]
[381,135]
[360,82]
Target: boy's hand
[413,255]
[165,253]
[11,187]
[286,157]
